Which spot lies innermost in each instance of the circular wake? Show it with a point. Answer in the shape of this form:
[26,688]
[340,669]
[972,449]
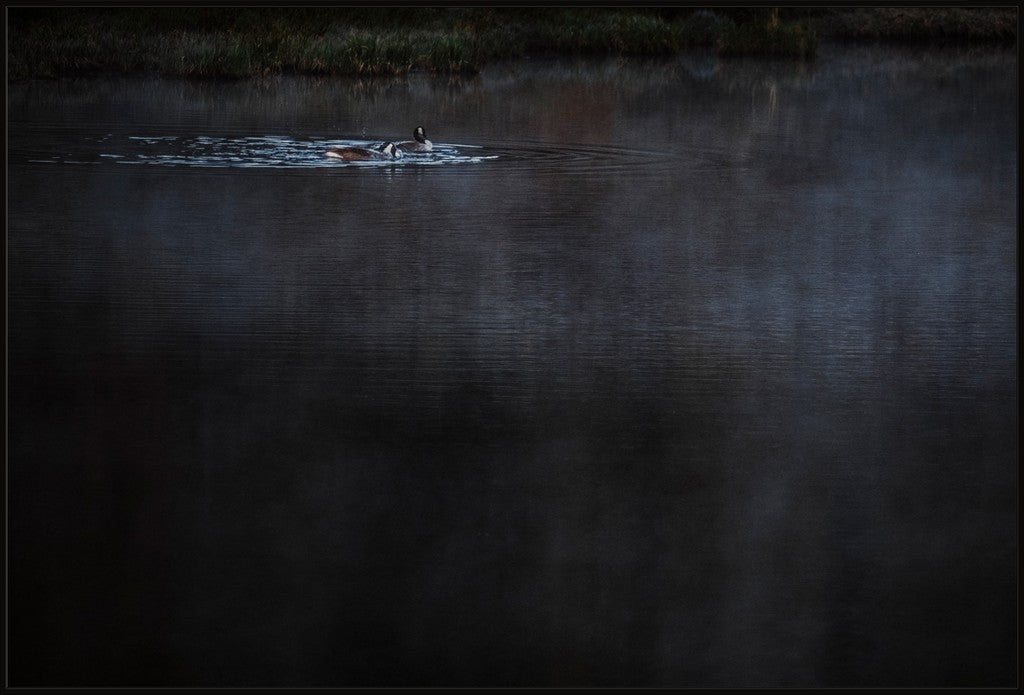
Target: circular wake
[279,151]
[271,151]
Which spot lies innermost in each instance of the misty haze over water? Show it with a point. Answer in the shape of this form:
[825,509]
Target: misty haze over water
[678,373]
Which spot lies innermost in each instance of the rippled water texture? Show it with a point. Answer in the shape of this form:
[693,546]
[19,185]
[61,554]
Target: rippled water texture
[677,373]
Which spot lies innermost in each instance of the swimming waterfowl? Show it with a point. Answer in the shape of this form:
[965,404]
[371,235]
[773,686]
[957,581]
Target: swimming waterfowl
[420,144]
[385,151]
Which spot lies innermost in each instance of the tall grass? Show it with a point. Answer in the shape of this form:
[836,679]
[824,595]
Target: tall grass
[922,24]
[768,38]
[246,41]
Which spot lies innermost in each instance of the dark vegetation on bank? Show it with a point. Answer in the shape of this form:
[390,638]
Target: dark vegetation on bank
[251,41]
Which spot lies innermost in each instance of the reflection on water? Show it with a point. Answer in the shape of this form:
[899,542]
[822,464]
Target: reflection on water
[698,373]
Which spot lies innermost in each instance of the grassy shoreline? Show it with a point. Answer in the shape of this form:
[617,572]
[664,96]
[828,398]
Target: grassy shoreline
[254,41]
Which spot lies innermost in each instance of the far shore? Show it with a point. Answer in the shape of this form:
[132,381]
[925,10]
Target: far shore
[253,41]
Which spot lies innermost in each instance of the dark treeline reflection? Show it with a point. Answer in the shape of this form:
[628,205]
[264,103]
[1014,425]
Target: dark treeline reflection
[707,380]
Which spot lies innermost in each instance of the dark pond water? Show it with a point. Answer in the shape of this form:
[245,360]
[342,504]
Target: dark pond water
[673,373]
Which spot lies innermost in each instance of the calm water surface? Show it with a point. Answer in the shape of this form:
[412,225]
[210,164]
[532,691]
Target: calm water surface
[672,373]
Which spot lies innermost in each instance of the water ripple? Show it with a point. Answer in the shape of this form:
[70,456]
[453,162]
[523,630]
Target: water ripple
[279,151]
[272,151]
[585,157]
